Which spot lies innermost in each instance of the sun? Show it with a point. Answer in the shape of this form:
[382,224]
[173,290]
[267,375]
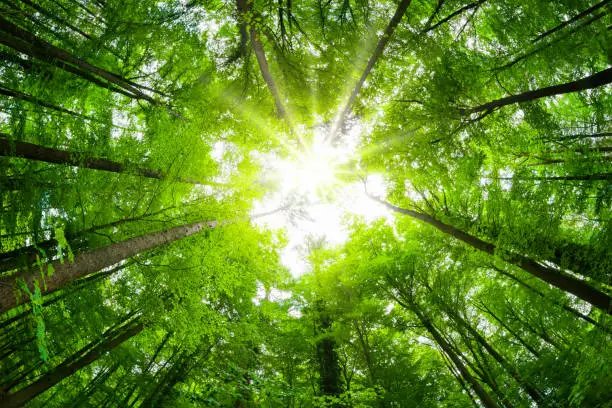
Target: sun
[312,170]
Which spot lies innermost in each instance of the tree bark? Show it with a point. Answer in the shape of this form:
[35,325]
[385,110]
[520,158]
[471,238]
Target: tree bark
[596,80]
[29,98]
[71,366]
[13,148]
[454,14]
[78,284]
[26,256]
[329,368]
[246,13]
[532,350]
[484,397]
[380,47]
[567,283]
[564,306]
[528,388]
[571,20]
[87,263]
[29,44]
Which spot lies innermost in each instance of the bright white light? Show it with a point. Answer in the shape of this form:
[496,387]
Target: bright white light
[311,171]
[309,174]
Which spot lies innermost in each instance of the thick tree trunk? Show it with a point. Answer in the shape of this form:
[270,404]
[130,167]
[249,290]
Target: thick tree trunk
[71,366]
[32,151]
[329,369]
[567,283]
[380,47]
[87,263]
[596,80]
[26,256]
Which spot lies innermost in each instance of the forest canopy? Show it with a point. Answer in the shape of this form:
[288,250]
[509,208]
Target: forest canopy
[305,203]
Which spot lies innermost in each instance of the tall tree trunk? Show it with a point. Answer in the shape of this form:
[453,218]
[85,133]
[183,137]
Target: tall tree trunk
[571,20]
[503,324]
[329,368]
[13,148]
[564,306]
[596,80]
[246,14]
[78,284]
[26,256]
[87,263]
[562,281]
[72,365]
[380,47]
[550,43]
[454,14]
[461,322]
[32,99]
[29,44]
[483,395]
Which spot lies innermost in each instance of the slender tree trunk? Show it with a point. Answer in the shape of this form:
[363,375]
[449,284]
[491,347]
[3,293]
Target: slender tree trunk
[78,284]
[511,331]
[528,388]
[564,306]
[29,98]
[596,80]
[586,177]
[380,47]
[87,263]
[571,20]
[246,14]
[32,151]
[126,399]
[562,281]
[551,43]
[454,14]
[29,44]
[57,19]
[71,366]
[483,395]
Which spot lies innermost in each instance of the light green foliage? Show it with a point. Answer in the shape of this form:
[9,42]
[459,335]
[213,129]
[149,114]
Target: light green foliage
[223,322]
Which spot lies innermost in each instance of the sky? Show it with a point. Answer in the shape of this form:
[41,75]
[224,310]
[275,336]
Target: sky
[308,176]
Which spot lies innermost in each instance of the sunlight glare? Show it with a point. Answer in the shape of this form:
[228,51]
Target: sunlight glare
[312,171]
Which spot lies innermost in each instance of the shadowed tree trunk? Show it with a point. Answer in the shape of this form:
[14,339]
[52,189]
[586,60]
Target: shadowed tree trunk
[571,20]
[88,262]
[596,80]
[329,368]
[29,44]
[564,306]
[26,256]
[447,348]
[461,322]
[12,148]
[380,47]
[246,14]
[454,14]
[79,360]
[567,283]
